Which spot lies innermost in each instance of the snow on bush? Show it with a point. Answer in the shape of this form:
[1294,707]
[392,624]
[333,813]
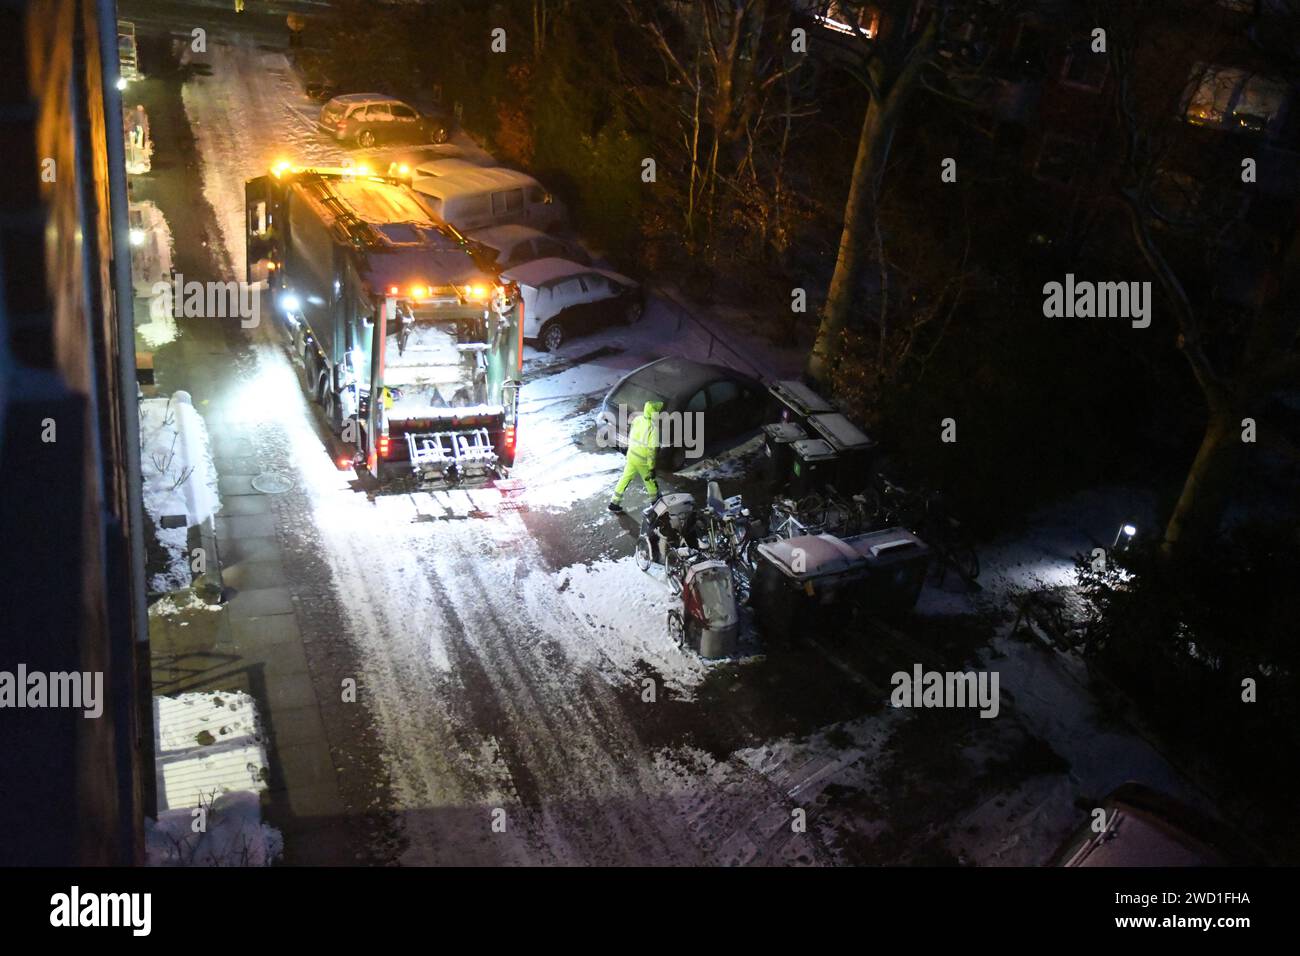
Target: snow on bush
[232,834]
[211,765]
[179,479]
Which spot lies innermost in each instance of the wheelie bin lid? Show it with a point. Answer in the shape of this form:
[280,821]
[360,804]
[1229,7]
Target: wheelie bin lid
[784,433]
[799,398]
[842,434]
[815,555]
[674,504]
[813,449]
[888,546]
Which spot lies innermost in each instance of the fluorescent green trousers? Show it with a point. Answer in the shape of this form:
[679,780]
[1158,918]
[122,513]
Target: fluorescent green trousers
[634,468]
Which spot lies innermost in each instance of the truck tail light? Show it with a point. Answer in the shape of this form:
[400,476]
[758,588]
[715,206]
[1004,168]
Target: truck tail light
[383,446]
[510,439]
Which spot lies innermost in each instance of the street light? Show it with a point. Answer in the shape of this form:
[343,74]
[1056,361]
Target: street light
[1124,537]
[121,83]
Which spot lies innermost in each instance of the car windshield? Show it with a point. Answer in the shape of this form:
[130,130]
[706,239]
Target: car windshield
[634,396]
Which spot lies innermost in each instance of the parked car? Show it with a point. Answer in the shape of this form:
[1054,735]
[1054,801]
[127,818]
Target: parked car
[368,119]
[563,298]
[515,245]
[1143,827]
[731,404]
[491,196]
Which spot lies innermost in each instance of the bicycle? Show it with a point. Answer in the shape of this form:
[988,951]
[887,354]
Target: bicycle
[925,514]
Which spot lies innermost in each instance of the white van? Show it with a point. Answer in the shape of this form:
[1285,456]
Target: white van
[472,199]
[446,166]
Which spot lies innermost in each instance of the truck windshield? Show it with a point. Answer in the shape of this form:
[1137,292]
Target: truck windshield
[437,362]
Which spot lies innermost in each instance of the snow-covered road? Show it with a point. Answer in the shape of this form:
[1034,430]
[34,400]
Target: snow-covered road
[497,683]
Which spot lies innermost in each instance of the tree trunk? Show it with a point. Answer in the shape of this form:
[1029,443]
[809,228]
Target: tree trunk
[1200,508]
[851,261]
[877,136]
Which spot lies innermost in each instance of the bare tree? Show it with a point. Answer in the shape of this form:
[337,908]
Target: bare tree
[729,87]
[1239,353]
[889,64]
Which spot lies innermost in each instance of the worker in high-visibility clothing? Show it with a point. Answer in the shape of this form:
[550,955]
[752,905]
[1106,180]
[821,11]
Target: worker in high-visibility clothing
[642,449]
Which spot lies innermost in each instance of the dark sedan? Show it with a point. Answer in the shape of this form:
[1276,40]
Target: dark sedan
[706,408]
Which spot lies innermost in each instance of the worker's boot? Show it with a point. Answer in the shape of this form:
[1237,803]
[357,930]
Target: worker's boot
[615,507]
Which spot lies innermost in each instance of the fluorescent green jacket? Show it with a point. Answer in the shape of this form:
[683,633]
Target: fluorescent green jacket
[643,437]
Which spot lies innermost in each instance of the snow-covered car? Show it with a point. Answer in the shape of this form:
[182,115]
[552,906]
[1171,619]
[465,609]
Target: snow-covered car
[563,298]
[485,196]
[723,405]
[515,245]
[444,166]
[368,119]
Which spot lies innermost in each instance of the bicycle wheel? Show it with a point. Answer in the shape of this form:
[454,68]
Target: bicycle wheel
[677,627]
[812,510]
[644,553]
[675,565]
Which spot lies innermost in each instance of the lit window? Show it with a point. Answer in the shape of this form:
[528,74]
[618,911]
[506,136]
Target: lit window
[842,15]
[1230,97]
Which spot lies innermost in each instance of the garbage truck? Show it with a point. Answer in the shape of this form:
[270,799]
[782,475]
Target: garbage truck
[405,335]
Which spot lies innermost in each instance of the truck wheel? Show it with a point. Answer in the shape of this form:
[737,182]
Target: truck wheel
[322,389]
[551,337]
[366,139]
[310,373]
[438,135]
[333,409]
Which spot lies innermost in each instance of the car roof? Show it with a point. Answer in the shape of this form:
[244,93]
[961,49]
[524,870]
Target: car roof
[365,98]
[500,237]
[679,376]
[541,272]
[445,166]
[471,181]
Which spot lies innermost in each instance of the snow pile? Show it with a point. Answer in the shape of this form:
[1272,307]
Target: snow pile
[621,614]
[151,255]
[1042,555]
[137,141]
[233,835]
[178,476]
[211,764]
[731,465]
[555,472]
[178,602]
[151,263]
